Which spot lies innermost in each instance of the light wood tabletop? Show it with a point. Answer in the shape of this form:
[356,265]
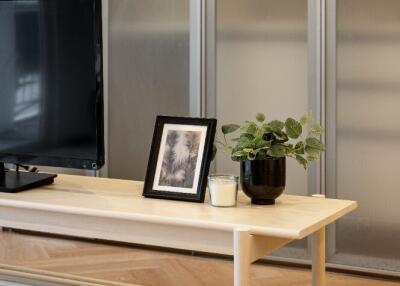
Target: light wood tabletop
[115,210]
[291,217]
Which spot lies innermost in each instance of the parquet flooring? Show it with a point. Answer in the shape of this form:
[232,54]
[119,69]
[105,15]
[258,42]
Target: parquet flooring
[148,267]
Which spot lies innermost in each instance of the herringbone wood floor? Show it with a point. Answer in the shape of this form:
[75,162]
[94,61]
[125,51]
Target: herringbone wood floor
[146,266]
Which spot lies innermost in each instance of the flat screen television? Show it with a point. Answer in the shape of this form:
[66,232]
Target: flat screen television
[51,87]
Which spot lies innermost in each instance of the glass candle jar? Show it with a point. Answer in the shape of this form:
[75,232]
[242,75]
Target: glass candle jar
[223,190]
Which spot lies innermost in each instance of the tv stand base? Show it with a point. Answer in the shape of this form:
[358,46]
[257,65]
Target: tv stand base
[15,182]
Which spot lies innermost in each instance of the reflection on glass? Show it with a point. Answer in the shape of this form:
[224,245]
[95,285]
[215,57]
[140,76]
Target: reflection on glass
[27,70]
[20,80]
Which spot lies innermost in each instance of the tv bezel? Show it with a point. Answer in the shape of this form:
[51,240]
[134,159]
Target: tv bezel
[76,163]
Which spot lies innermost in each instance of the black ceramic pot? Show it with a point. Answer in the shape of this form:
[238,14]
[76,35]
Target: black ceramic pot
[263,180]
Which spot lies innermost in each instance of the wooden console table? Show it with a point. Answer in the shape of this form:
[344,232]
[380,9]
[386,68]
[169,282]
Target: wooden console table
[115,210]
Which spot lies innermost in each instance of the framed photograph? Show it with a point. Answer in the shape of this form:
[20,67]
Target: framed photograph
[180,158]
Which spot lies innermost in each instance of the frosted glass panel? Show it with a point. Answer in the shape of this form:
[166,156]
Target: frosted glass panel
[368,132]
[149,75]
[262,66]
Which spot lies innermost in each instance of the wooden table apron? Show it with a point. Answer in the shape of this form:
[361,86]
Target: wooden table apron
[45,210]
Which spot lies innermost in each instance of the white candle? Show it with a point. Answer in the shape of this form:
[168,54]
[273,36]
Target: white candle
[223,190]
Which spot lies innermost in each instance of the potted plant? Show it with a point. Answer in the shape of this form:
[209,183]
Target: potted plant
[261,147]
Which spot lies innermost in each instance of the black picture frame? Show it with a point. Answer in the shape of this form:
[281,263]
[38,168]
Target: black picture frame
[154,164]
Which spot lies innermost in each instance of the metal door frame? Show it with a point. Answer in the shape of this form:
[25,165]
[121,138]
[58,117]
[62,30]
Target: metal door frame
[105,26]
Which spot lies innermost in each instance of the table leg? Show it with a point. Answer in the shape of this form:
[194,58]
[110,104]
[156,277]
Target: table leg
[241,245]
[318,258]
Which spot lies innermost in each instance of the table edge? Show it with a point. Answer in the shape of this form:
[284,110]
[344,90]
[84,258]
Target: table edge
[155,219]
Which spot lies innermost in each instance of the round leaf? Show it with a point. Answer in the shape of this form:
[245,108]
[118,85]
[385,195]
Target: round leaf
[314,146]
[302,161]
[260,117]
[276,125]
[299,148]
[316,129]
[293,128]
[277,150]
[226,129]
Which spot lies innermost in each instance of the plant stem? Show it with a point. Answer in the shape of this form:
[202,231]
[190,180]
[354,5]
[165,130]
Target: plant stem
[219,142]
[226,143]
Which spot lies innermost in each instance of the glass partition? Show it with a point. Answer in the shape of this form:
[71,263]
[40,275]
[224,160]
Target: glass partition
[366,140]
[262,66]
[149,75]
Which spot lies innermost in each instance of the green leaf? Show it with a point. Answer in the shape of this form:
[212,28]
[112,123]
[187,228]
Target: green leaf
[239,153]
[280,136]
[226,129]
[266,128]
[227,150]
[299,148]
[302,161]
[247,135]
[293,128]
[214,152]
[252,155]
[306,118]
[314,146]
[277,125]
[277,150]
[263,148]
[317,129]
[244,142]
[259,142]
[314,143]
[312,157]
[311,151]
[252,129]
[239,156]
[260,117]
[259,132]
[249,128]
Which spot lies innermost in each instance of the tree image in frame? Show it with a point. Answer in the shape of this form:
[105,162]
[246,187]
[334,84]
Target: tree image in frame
[180,159]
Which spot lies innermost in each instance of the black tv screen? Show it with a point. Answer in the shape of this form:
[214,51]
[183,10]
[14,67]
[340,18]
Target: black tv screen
[51,85]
